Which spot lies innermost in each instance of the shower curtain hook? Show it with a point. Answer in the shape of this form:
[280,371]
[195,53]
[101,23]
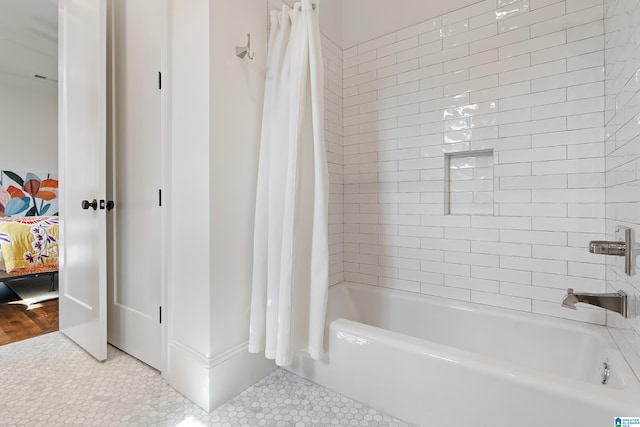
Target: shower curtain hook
[313,6]
[242,51]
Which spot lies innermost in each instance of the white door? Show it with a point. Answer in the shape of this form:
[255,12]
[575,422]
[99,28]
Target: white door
[82,162]
[135,42]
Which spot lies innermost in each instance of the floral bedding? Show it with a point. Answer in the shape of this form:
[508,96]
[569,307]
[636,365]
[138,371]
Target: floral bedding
[29,244]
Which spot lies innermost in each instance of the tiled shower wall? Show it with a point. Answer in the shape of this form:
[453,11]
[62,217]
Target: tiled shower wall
[332,57]
[622,147]
[523,78]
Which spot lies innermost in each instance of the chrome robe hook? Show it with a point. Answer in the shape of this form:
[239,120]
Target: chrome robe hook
[242,51]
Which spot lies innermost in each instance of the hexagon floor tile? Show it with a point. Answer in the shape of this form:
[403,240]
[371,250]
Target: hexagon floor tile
[49,381]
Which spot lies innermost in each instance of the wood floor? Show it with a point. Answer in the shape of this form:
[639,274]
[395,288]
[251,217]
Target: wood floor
[19,322]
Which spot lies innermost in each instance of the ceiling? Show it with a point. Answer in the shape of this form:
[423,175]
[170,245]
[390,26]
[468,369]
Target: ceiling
[29,38]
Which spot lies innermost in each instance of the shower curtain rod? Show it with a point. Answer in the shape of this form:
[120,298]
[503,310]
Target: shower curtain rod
[313,5]
[284,2]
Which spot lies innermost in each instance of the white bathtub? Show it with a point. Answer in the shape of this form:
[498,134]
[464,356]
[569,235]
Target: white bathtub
[436,362]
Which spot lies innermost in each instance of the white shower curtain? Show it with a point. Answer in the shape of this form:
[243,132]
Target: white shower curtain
[291,255]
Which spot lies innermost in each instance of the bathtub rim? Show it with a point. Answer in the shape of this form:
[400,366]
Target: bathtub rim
[602,332]
[618,401]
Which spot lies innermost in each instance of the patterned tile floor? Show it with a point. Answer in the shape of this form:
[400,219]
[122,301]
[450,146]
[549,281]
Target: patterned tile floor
[49,381]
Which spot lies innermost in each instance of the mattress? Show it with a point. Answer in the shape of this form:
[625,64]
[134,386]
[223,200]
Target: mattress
[29,245]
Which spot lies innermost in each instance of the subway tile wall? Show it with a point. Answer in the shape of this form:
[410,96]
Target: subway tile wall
[523,78]
[622,148]
[332,57]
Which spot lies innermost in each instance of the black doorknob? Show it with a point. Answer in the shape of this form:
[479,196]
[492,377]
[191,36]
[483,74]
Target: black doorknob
[87,205]
[110,205]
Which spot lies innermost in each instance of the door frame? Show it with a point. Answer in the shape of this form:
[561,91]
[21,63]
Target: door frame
[165,212]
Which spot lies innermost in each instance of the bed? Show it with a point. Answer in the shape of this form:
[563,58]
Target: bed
[28,237]
[28,247]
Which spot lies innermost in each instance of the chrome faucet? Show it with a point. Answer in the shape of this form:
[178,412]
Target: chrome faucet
[614,301]
[621,248]
[608,248]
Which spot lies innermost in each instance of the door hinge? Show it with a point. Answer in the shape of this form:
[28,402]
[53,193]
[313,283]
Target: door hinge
[159,196]
[160,310]
[159,80]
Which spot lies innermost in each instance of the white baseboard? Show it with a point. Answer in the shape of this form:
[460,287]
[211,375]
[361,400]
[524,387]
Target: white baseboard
[188,372]
[210,382]
[233,373]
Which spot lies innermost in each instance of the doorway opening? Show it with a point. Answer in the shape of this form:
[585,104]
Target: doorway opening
[28,142]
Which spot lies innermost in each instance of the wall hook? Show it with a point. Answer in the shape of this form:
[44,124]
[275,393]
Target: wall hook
[242,51]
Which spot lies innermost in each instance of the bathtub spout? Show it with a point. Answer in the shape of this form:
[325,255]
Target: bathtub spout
[614,301]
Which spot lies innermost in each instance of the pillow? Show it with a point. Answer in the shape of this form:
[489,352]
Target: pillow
[29,245]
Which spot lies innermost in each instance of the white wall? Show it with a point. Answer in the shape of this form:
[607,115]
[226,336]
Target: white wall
[349,22]
[622,25]
[28,106]
[331,21]
[215,110]
[525,81]
[28,125]
[364,20]
[237,90]
[189,281]
[237,87]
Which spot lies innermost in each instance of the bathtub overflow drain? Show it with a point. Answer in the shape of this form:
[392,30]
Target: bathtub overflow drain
[606,373]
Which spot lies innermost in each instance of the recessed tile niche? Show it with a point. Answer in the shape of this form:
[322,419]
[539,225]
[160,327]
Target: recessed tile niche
[469,183]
